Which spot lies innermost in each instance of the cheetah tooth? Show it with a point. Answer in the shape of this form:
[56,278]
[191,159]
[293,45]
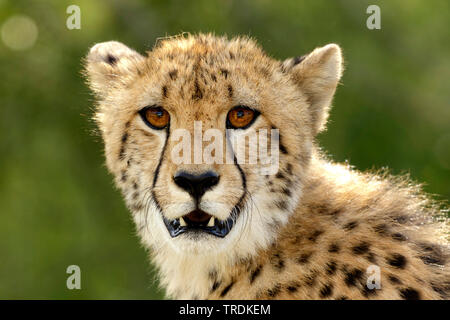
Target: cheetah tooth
[211,222]
[182,222]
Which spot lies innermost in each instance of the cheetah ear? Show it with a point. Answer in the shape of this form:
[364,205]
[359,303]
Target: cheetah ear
[317,75]
[110,65]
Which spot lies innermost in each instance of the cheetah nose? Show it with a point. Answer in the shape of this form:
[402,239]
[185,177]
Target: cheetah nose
[196,184]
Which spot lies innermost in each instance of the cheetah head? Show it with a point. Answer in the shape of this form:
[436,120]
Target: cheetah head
[168,120]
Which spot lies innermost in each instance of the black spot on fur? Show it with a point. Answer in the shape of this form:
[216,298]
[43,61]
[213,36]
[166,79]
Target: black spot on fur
[286,191]
[173,74]
[224,72]
[124,137]
[283,149]
[361,248]
[397,260]
[371,257]
[394,280]
[342,298]
[331,267]
[122,153]
[289,169]
[274,291]
[366,292]
[315,235]
[280,204]
[381,229]
[164,91]
[304,258]
[231,55]
[198,94]
[399,237]
[123,176]
[226,289]
[255,273]
[326,291]
[409,294]
[277,261]
[230,91]
[280,175]
[432,254]
[310,280]
[135,195]
[110,59]
[351,225]
[333,248]
[293,287]
[135,185]
[352,276]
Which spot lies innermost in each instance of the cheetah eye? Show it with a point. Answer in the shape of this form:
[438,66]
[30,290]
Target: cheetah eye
[155,117]
[241,117]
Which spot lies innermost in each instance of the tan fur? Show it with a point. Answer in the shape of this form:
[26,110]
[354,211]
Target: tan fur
[308,232]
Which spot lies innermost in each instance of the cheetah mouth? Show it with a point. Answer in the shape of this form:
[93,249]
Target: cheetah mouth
[199,221]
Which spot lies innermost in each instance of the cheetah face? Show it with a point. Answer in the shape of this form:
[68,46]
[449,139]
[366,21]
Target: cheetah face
[209,139]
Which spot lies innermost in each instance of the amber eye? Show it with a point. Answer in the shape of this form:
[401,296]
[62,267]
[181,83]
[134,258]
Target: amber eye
[155,117]
[241,117]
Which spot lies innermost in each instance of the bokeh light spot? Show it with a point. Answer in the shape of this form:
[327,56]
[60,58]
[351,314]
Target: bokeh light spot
[19,32]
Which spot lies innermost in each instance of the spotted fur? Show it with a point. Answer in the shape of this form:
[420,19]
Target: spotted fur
[311,230]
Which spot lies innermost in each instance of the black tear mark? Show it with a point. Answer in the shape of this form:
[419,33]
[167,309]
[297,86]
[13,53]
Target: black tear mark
[173,74]
[326,291]
[397,260]
[255,273]
[216,284]
[110,59]
[361,248]
[226,289]
[409,294]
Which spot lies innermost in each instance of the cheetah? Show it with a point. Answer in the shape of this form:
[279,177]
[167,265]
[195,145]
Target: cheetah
[312,229]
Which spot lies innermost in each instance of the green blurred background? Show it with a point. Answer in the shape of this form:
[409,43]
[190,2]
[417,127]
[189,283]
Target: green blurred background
[58,206]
